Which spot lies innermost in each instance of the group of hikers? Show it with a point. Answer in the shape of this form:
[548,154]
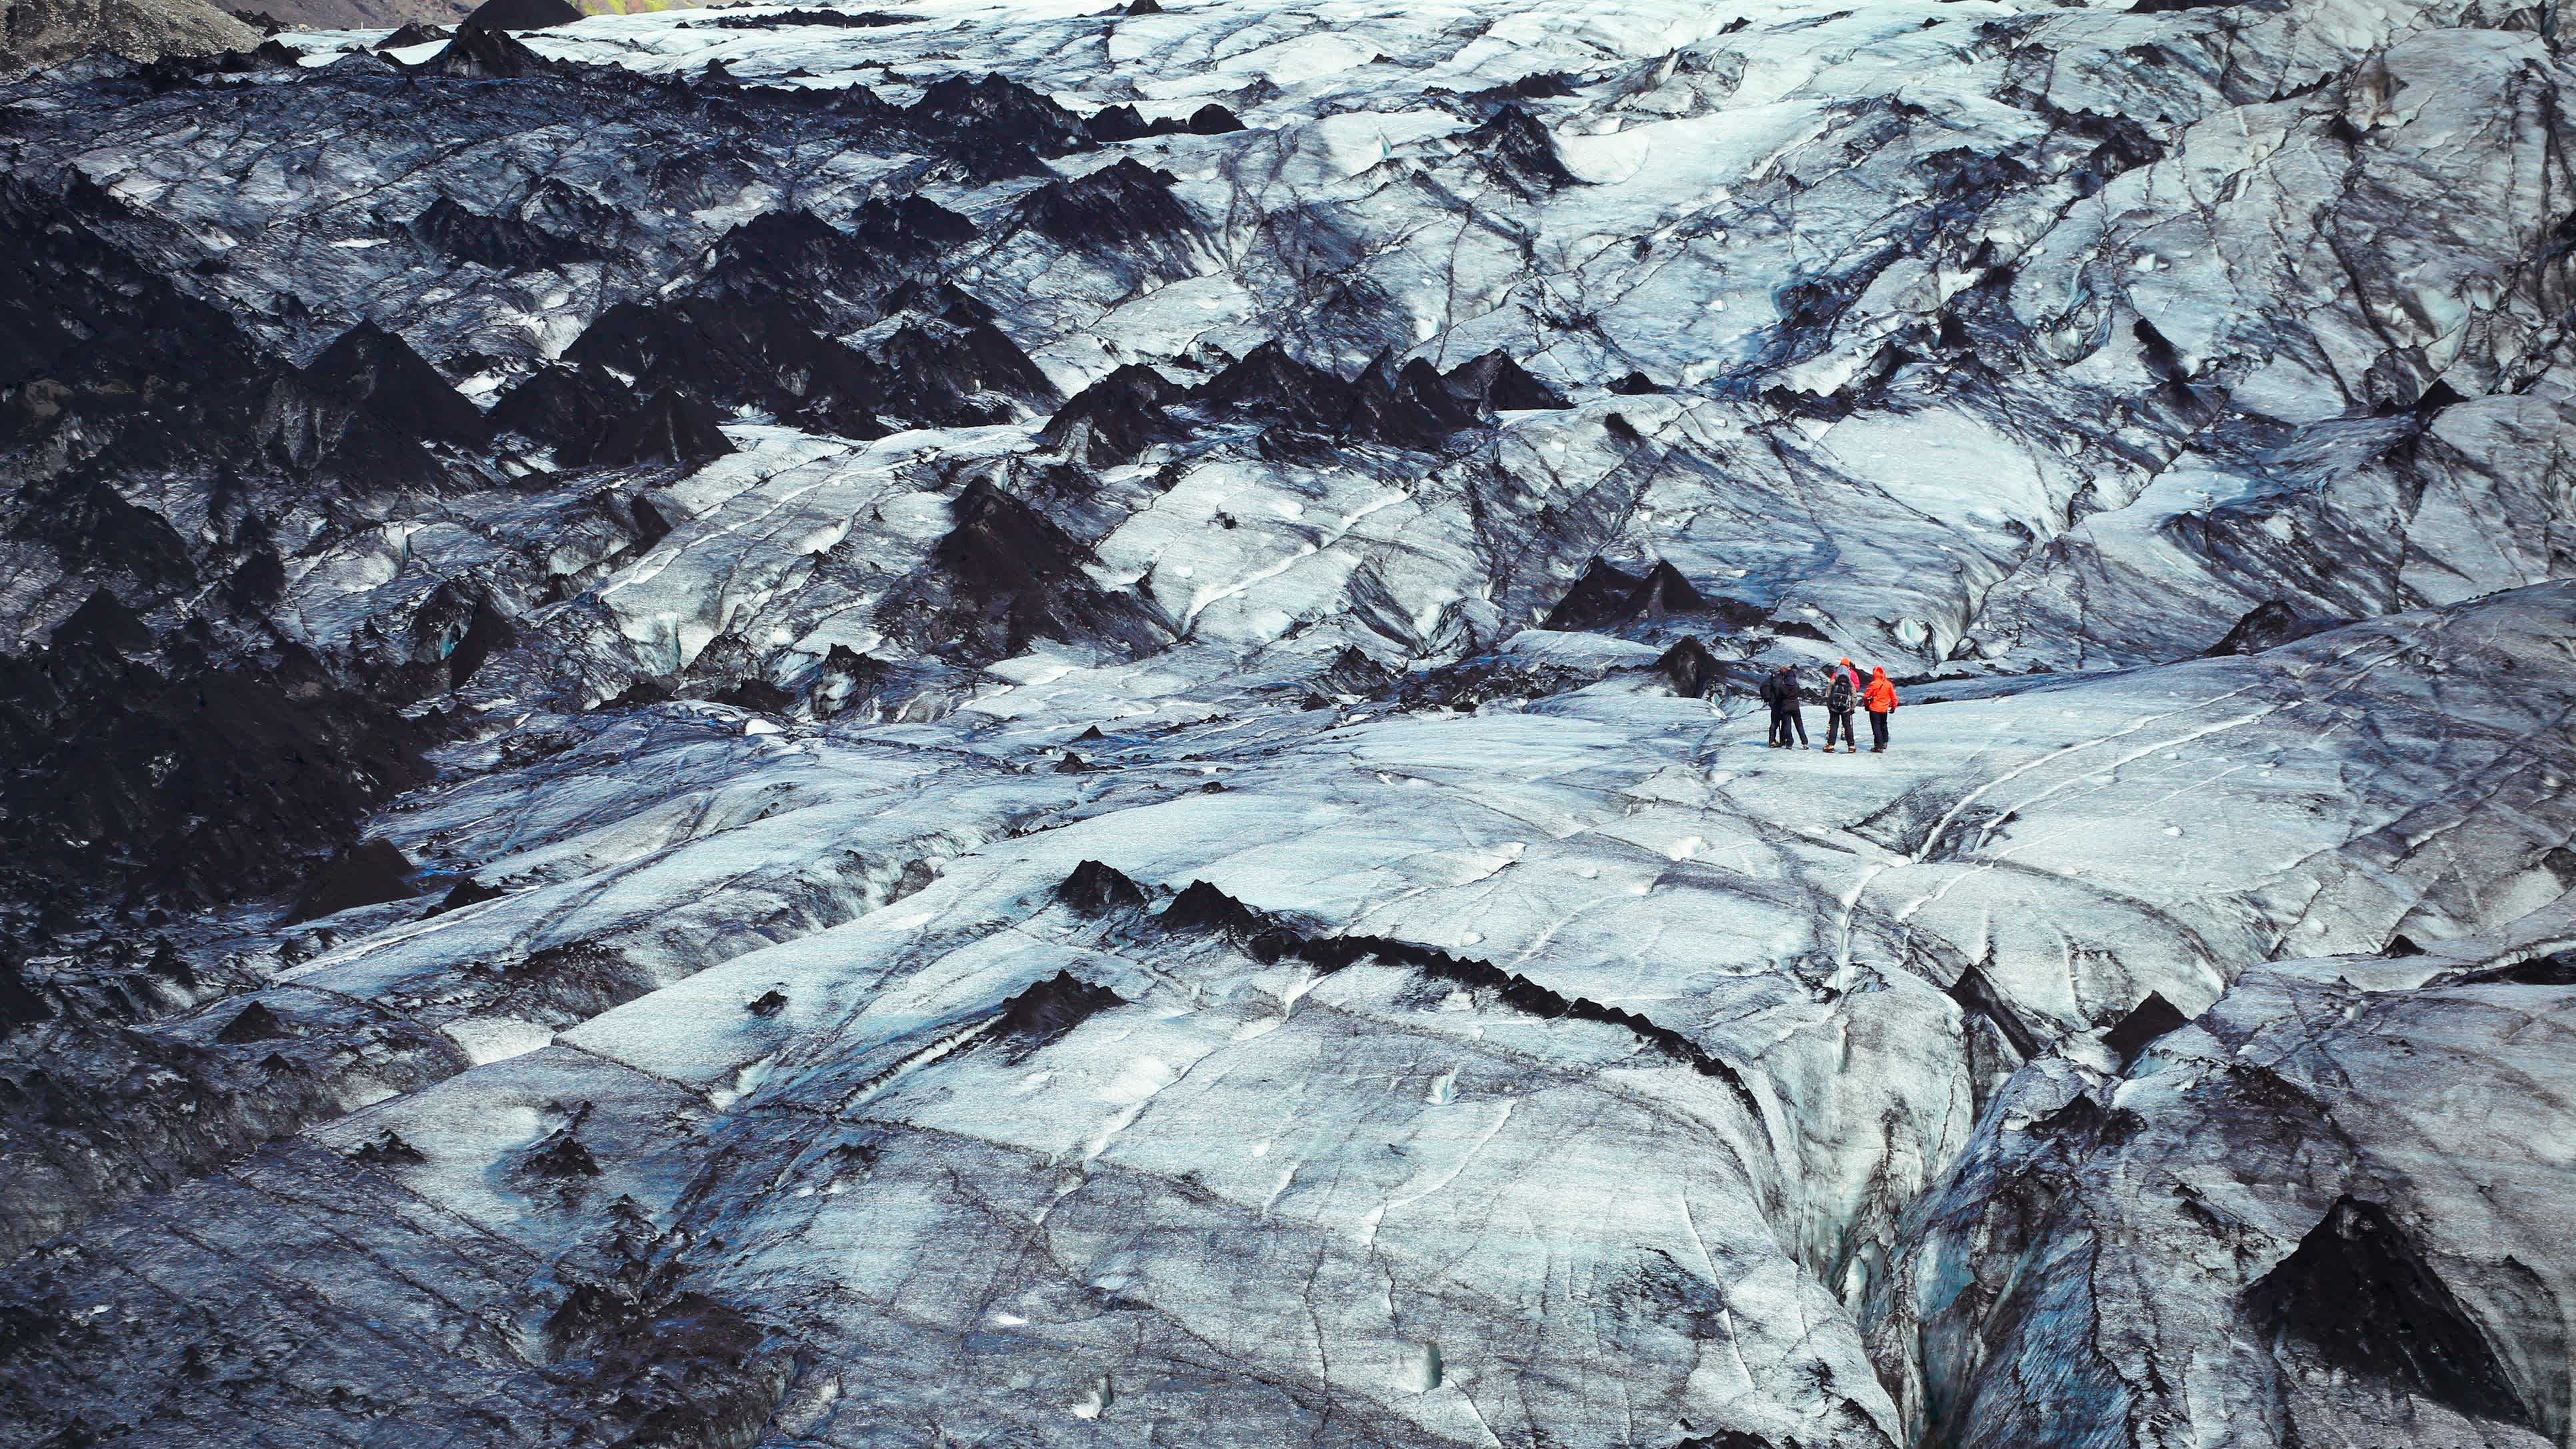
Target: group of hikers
[1844,692]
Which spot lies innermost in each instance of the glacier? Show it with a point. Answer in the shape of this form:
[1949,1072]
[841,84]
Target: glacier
[968,724]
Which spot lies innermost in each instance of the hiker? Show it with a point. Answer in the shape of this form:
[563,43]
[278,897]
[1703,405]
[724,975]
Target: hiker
[1842,696]
[1780,691]
[1880,700]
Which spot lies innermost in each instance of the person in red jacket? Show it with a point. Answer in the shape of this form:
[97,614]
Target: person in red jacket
[1880,700]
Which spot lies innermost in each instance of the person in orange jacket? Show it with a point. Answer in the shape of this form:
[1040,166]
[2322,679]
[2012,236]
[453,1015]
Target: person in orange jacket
[1880,700]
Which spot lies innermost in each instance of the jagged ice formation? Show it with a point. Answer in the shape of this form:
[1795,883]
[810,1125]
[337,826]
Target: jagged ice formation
[955,724]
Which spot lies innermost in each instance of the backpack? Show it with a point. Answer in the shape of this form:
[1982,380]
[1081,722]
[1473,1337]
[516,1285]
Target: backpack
[1839,695]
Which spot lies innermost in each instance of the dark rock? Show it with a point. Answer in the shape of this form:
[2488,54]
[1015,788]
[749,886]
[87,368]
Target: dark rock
[467,891]
[99,347]
[254,1022]
[1542,86]
[1072,764]
[258,581]
[650,526]
[415,33]
[794,255]
[1004,576]
[1045,1012]
[1470,683]
[19,1004]
[1202,907]
[505,244]
[2432,400]
[487,632]
[2122,144]
[523,14]
[102,624]
[843,19]
[1518,153]
[1121,212]
[269,55]
[2083,1126]
[94,531]
[1977,996]
[2269,625]
[478,53]
[2148,1020]
[2159,355]
[367,874]
[847,677]
[1498,384]
[668,427]
[92,339]
[1599,598]
[1664,592]
[767,1004]
[996,104]
[1113,124]
[641,693]
[1269,382]
[1691,668]
[2360,1297]
[756,694]
[909,229]
[367,392]
[1412,406]
[681,1370]
[1212,120]
[958,370]
[1113,420]
[565,407]
[739,352]
[560,1158]
[1353,672]
[388,1150]
[994,127]
[569,211]
[203,785]
[1095,889]
[712,174]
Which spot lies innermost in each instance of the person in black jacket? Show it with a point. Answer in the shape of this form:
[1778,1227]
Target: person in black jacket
[1780,692]
[1842,696]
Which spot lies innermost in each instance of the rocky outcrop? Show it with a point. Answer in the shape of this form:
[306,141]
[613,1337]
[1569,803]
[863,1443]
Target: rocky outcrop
[49,32]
